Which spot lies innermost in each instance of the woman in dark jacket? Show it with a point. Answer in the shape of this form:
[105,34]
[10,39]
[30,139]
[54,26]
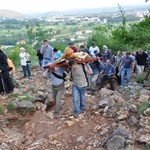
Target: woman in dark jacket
[6,84]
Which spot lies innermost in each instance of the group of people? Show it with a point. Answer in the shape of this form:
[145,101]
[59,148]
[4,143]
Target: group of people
[93,74]
[106,68]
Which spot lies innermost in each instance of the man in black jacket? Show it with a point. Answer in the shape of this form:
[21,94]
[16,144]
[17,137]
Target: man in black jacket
[140,58]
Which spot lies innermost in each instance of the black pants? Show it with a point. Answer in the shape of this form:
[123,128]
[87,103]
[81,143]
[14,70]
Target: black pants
[110,80]
[118,77]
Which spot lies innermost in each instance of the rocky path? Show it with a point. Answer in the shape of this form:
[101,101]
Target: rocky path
[111,121]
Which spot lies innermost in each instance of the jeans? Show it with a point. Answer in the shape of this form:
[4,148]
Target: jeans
[45,62]
[78,98]
[57,95]
[26,70]
[40,62]
[127,72]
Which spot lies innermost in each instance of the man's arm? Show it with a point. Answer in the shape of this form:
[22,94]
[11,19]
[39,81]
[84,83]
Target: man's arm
[51,54]
[133,65]
[88,69]
[120,65]
[113,71]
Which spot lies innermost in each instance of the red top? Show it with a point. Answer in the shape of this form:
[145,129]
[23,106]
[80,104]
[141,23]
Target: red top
[74,48]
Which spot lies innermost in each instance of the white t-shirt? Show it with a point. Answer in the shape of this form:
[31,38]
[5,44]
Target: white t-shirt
[24,57]
[92,49]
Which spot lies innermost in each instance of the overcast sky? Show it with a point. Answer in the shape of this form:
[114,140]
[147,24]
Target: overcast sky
[31,6]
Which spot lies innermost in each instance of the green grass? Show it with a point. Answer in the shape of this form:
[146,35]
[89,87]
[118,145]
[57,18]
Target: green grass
[139,78]
[1,109]
[148,147]
[143,107]
[10,106]
[14,95]
[26,98]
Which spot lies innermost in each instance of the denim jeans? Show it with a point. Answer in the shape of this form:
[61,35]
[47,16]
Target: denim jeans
[78,98]
[40,62]
[45,62]
[26,70]
[125,72]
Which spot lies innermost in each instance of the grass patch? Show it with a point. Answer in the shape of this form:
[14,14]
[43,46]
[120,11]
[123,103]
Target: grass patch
[14,95]
[26,111]
[143,107]
[139,78]
[25,98]
[1,109]
[148,147]
[10,106]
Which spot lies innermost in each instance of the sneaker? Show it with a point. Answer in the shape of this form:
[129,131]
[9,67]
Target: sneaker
[30,77]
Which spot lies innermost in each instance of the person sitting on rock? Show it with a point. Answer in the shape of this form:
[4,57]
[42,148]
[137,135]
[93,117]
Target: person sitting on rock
[109,72]
[96,68]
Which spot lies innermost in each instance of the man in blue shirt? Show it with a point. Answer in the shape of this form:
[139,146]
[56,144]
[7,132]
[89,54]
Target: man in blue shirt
[109,72]
[127,63]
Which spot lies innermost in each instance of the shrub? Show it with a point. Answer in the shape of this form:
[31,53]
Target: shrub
[14,55]
[143,107]
[139,78]
[10,106]
[1,109]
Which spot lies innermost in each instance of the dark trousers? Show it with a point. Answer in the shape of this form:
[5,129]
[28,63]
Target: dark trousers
[118,77]
[110,80]
[57,95]
[26,70]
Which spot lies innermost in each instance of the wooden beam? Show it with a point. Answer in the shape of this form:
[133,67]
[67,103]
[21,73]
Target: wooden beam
[66,64]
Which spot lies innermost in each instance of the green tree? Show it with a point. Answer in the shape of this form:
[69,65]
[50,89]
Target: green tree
[36,34]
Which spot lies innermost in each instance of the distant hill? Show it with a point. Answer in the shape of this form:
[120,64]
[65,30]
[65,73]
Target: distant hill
[84,11]
[10,14]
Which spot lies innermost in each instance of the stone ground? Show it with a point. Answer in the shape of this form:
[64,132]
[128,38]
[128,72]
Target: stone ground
[39,130]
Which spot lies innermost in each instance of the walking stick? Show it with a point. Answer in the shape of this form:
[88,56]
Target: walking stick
[2,82]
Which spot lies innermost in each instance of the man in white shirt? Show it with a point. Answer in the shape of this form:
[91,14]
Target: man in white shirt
[93,48]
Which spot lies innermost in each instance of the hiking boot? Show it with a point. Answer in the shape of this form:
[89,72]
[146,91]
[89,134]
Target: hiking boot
[56,115]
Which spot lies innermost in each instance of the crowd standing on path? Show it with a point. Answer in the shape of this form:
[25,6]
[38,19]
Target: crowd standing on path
[94,74]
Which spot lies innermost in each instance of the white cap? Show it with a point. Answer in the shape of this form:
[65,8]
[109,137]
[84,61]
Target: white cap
[22,48]
[105,47]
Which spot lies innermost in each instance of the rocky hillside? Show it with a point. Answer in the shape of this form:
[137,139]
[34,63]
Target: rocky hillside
[118,120]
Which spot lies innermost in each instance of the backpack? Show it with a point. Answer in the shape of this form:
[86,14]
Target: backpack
[11,65]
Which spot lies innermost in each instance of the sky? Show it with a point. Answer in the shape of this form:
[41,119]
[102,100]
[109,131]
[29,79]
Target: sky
[34,6]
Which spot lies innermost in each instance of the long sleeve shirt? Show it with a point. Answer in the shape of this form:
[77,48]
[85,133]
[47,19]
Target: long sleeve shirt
[23,58]
[47,52]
